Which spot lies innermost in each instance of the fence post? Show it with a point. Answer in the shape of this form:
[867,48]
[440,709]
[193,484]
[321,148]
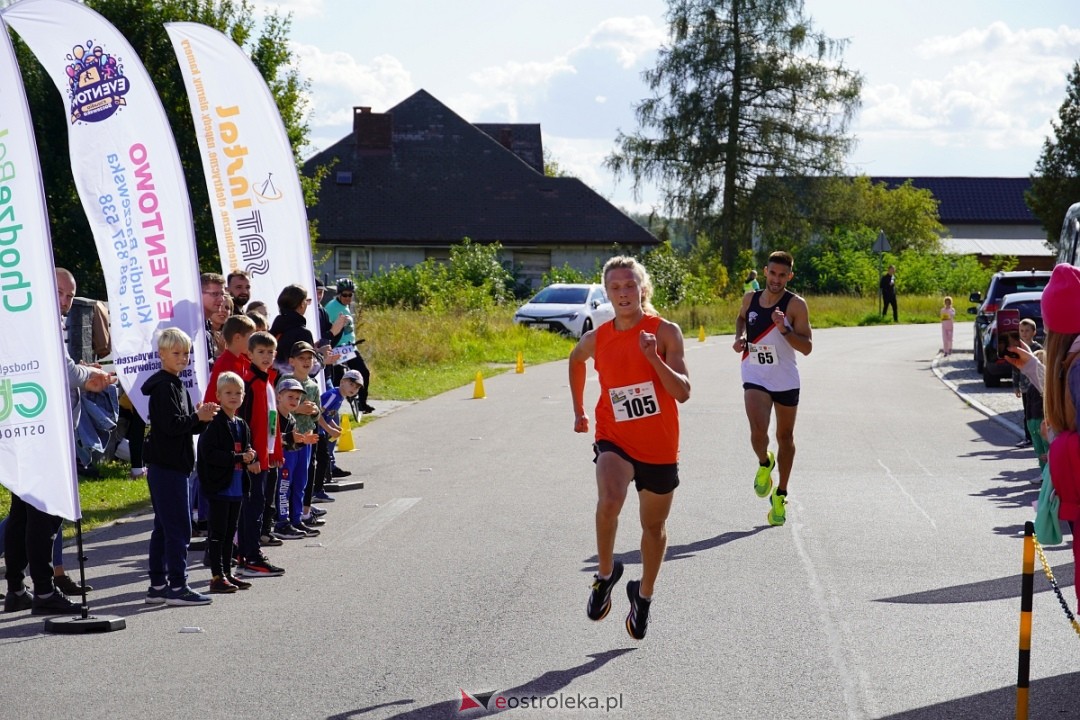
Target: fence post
[1027,592]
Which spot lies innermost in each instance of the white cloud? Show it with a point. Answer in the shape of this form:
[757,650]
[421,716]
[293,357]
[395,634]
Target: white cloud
[297,8]
[992,88]
[630,38]
[339,81]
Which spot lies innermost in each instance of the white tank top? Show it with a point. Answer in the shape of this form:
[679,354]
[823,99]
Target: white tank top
[768,361]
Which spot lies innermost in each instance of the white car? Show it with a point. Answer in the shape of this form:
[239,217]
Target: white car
[566,308]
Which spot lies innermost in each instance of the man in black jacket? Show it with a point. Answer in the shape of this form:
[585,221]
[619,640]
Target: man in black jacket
[888,292]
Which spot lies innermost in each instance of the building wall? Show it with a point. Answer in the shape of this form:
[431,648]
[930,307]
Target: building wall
[533,262]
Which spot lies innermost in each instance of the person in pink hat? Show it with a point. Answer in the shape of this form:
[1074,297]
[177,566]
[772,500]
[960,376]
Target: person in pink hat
[1060,379]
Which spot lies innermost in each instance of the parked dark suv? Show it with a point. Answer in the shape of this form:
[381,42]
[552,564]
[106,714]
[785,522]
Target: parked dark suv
[1001,284]
[1029,307]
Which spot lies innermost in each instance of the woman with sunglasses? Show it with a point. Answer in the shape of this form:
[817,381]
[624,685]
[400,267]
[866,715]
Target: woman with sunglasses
[341,305]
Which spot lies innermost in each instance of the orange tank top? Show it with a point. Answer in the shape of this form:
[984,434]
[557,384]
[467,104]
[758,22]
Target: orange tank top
[634,410]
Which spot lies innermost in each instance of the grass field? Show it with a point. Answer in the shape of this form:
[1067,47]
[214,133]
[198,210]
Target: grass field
[415,355]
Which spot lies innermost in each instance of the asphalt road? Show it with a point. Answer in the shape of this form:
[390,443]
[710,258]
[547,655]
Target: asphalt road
[891,592]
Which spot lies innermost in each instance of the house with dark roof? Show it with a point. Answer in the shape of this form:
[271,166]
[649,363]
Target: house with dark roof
[986,216]
[409,183]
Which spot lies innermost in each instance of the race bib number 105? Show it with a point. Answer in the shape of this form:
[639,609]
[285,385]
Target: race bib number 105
[633,402]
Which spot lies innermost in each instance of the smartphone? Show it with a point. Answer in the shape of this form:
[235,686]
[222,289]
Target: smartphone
[1008,329]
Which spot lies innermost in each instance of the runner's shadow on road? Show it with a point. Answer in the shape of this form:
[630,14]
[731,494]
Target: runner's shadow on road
[1053,697]
[547,684]
[986,590]
[680,552]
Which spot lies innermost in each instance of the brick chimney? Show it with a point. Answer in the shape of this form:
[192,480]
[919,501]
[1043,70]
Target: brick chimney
[372,131]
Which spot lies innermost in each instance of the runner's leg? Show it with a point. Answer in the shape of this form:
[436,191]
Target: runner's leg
[653,510]
[613,476]
[758,409]
[785,440]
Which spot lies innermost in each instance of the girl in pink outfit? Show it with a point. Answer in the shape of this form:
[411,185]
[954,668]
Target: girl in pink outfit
[948,314]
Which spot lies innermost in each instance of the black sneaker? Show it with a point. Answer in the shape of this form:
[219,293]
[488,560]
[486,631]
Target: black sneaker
[637,620]
[311,522]
[335,471]
[310,530]
[260,567]
[17,602]
[156,595]
[269,541]
[186,596]
[55,604]
[322,497]
[318,512]
[600,598]
[66,585]
[288,532]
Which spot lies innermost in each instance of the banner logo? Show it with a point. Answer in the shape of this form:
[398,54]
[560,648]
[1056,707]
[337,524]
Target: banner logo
[9,390]
[96,83]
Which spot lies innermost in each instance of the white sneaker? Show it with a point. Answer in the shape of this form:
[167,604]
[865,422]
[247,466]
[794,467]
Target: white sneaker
[138,473]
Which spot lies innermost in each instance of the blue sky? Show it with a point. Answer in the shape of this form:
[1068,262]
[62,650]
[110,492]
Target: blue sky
[952,87]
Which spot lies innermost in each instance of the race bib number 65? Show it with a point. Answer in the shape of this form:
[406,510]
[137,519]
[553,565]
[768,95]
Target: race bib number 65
[762,354]
[633,402]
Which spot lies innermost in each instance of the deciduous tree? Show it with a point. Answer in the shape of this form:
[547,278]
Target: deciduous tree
[1055,185]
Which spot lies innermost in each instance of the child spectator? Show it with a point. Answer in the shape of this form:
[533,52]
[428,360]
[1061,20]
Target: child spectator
[331,401]
[948,316]
[170,458]
[225,457]
[1034,399]
[290,393]
[308,417]
[1022,387]
[234,358]
[260,412]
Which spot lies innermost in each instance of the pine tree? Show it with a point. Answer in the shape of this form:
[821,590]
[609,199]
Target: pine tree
[744,89]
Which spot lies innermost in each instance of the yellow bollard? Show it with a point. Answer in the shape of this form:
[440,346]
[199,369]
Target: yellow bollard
[345,442]
[478,389]
[520,363]
[701,333]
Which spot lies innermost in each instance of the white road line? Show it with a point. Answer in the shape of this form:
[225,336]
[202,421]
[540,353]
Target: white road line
[908,495]
[376,521]
[834,635]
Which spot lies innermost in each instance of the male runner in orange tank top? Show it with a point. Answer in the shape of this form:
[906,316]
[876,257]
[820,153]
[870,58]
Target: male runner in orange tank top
[639,358]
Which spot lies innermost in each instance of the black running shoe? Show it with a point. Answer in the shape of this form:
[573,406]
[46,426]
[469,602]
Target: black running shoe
[600,597]
[637,620]
[55,604]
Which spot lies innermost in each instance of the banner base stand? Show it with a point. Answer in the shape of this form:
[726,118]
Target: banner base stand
[84,625]
[341,485]
[87,623]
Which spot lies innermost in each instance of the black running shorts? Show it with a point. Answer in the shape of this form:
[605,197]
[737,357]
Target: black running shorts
[659,479]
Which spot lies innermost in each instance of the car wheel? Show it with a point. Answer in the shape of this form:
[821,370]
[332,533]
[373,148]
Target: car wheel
[990,381]
[586,326]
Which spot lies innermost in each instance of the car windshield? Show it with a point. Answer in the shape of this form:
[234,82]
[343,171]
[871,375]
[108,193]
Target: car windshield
[1027,308]
[561,296]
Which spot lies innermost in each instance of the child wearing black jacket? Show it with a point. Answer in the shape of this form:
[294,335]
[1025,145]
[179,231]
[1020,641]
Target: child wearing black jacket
[225,459]
[170,457]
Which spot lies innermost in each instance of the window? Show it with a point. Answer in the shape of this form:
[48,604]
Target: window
[352,261]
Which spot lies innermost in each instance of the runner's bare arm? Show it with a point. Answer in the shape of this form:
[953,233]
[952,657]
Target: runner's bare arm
[740,324]
[798,332]
[671,367]
[584,350]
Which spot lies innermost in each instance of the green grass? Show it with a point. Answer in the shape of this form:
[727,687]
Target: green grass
[416,355]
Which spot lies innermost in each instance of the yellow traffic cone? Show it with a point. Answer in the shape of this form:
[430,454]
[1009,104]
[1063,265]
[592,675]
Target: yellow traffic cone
[345,442]
[701,333]
[520,363]
[478,389]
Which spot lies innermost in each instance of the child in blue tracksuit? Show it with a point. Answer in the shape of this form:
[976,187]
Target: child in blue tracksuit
[290,393]
[331,402]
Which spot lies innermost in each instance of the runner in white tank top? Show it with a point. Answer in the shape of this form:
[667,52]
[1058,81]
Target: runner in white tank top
[772,325]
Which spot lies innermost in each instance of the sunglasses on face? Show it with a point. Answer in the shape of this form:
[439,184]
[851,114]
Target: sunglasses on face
[346,294]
